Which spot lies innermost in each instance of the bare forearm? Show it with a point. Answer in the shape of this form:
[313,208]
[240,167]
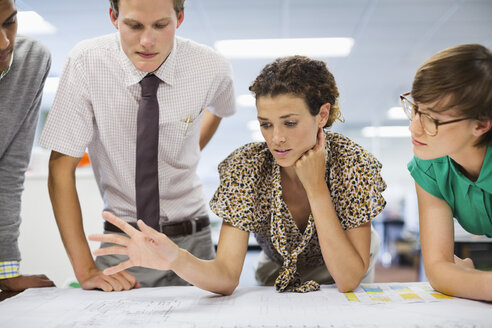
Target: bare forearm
[446,272]
[68,215]
[211,275]
[454,280]
[208,127]
[341,258]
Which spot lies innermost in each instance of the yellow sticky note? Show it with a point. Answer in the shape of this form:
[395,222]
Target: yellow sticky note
[441,296]
[386,299]
[351,297]
[401,289]
[410,296]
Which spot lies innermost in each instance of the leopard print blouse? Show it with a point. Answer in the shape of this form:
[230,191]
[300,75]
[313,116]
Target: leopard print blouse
[249,197]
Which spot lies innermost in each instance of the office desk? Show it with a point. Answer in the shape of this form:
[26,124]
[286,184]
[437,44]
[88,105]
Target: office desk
[373,305]
[478,248]
[464,246]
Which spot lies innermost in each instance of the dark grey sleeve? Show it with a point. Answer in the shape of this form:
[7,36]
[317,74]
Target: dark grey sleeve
[13,165]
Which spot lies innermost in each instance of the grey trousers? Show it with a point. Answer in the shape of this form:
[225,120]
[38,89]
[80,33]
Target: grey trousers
[199,244]
[266,271]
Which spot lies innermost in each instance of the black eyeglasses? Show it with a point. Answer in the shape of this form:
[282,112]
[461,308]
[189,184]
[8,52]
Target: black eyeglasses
[429,124]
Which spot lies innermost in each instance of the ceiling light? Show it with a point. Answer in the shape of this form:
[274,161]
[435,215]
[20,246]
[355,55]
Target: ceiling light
[30,22]
[386,131]
[273,48]
[246,101]
[396,113]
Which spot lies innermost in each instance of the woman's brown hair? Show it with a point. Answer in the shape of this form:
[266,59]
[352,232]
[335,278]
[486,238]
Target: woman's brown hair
[303,77]
[458,78]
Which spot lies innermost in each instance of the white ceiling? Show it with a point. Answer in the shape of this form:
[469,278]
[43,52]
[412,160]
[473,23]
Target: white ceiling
[392,37]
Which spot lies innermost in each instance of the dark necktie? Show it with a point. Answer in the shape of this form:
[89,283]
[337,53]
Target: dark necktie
[146,172]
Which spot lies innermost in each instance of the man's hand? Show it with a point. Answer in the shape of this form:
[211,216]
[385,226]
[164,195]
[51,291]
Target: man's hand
[148,248]
[96,279]
[23,282]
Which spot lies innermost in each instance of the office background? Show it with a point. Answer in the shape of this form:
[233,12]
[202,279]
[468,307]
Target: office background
[391,38]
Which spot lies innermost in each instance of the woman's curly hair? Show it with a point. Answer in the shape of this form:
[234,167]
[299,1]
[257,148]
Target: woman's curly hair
[303,77]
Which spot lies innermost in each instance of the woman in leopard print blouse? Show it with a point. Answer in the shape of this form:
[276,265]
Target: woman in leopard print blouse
[307,194]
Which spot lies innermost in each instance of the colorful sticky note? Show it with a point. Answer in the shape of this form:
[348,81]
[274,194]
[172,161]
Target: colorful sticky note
[441,296]
[351,297]
[400,289]
[372,290]
[383,298]
[428,288]
[410,296]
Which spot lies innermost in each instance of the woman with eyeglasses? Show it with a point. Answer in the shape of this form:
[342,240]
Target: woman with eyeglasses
[450,109]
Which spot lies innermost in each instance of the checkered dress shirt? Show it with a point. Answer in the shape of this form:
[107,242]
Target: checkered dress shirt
[96,108]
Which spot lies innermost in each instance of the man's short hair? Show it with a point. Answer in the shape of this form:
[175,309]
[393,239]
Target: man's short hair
[178,6]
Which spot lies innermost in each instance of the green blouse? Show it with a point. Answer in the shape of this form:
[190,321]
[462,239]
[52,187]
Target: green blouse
[471,202]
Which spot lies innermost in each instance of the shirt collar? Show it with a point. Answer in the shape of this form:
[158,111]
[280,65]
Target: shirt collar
[165,72]
[484,179]
[2,74]
[279,222]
